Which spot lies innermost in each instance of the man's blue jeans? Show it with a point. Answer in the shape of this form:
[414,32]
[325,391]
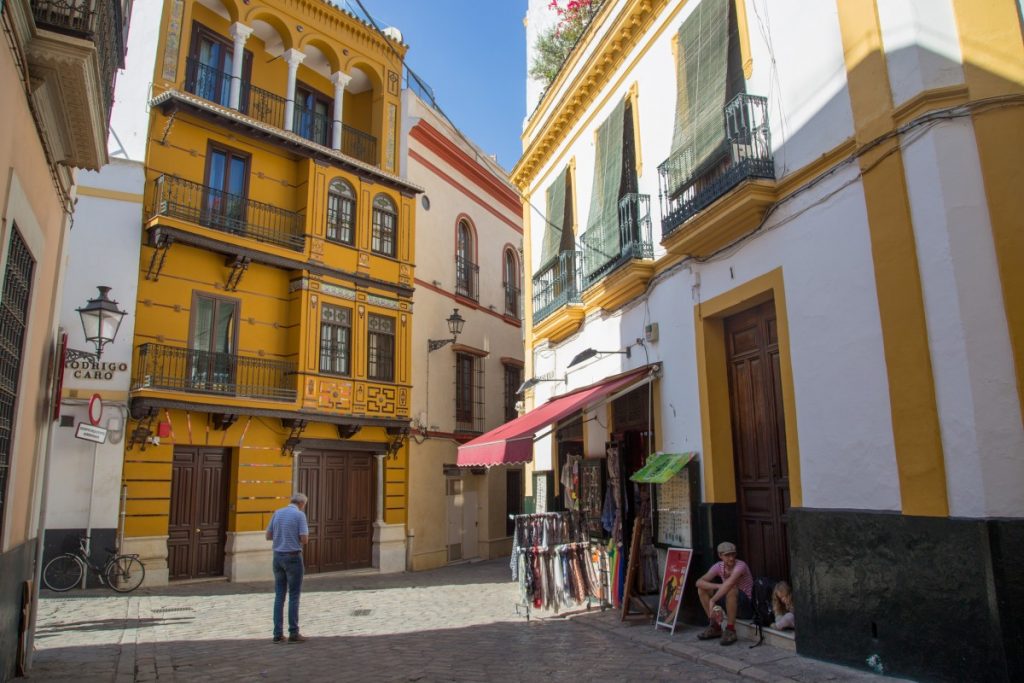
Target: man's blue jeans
[288,571]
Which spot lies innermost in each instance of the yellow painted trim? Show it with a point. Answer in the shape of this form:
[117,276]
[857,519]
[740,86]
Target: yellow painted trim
[83,191]
[713,385]
[730,217]
[993,55]
[746,56]
[634,100]
[929,100]
[915,419]
[527,294]
[826,162]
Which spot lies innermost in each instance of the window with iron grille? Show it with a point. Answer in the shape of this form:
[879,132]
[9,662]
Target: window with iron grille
[513,499]
[380,359]
[384,222]
[469,393]
[467,272]
[17,291]
[513,380]
[335,340]
[510,274]
[341,210]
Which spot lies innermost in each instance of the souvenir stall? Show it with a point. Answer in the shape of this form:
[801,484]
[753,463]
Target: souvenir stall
[551,560]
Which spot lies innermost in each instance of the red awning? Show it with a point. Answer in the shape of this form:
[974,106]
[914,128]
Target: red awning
[512,442]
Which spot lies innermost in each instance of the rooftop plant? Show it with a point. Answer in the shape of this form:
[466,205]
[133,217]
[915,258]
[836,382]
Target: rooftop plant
[556,43]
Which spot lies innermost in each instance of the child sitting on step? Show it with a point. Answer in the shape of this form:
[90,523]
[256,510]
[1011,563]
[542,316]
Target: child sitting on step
[782,606]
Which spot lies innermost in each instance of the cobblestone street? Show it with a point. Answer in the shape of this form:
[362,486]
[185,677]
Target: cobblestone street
[453,624]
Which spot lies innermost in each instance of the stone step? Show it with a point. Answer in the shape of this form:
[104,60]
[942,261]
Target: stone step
[785,640]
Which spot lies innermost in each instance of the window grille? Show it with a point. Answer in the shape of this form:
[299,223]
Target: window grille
[335,340]
[513,379]
[469,393]
[380,362]
[341,208]
[14,303]
[384,222]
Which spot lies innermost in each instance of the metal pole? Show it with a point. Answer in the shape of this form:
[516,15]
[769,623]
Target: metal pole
[123,517]
[88,516]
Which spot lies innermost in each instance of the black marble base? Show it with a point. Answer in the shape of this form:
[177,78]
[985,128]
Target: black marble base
[935,599]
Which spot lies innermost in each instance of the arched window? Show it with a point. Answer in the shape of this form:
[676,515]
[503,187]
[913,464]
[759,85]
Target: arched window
[341,212]
[466,270]
[385,221]
[510,277]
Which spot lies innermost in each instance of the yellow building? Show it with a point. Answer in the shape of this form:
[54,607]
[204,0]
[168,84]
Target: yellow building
[274,310]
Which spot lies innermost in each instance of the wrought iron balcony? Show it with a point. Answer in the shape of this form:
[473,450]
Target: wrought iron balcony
[223,374]
[467,278]
[98,21]
[513,301]
[558,283]
[178,198]
[746,153]
[634,241]
[359,145]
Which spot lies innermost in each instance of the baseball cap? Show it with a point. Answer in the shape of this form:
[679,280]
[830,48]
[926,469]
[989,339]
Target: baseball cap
[726,547]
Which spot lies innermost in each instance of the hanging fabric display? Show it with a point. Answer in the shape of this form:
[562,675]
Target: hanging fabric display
[551,560]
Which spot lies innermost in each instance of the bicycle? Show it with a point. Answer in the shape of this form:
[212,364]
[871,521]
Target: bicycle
[122,573]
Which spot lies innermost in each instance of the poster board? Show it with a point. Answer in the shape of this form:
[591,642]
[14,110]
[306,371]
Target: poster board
[675,508]
[677,567]
[592,495]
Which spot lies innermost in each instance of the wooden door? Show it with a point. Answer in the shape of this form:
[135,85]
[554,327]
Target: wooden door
[340,509]
[198,516]
[759,439]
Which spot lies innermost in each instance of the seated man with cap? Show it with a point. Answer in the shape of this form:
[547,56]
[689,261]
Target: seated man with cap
[728,585]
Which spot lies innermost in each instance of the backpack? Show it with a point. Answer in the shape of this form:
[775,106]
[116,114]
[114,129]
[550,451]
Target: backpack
[762,599]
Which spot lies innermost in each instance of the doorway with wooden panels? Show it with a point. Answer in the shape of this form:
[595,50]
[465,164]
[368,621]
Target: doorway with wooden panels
[759,438]
[340,488]
[198,517]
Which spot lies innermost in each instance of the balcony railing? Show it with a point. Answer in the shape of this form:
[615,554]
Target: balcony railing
[512,301]
[558,283]
[223,374]
[467,278]
[355,143]
[207,82]
[634,241]
[99,21]
[231,213]
[746,153]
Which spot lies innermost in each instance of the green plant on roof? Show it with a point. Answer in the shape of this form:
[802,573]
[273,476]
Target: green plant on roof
[555,44]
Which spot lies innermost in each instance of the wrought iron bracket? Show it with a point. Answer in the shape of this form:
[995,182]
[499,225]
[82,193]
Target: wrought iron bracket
[238,264]
[435,344]
[347,431]
[397,436]
[162,244]
[75,354]
[296,428]
[144,431]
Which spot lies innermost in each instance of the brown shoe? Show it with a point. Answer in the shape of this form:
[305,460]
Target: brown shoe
[710,633]
[297,638]
[728,637]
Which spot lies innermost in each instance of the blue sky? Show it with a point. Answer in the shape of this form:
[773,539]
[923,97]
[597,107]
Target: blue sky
[473,54]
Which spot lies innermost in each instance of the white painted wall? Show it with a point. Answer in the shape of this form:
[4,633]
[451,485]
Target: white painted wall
[972,361]
[922,46]
[129,118]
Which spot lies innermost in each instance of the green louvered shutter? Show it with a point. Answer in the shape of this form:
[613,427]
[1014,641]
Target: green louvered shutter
[554,218]
[601,242]
[701,81]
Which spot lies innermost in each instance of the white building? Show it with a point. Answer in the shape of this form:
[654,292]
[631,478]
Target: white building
[468,258]
[831,285]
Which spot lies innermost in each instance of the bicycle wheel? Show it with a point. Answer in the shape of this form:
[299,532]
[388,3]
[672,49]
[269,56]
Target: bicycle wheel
[63,573]
[125,573]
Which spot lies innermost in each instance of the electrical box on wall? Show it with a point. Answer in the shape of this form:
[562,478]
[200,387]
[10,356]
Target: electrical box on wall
[651,332]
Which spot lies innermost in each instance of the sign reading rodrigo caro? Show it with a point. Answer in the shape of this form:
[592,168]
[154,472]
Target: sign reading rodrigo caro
[91,369]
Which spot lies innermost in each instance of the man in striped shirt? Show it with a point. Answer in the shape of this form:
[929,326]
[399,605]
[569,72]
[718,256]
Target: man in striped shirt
[728,585]
[289,531]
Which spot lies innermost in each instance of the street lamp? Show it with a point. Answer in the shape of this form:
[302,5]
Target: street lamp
[101,320]
[455,323]
[587,354]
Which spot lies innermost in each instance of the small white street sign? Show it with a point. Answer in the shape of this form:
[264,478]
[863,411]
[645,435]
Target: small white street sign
[90,433]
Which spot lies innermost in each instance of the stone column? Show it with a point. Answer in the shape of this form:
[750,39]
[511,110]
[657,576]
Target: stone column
[240,32]
[293,58]
[340,79]
[388,539]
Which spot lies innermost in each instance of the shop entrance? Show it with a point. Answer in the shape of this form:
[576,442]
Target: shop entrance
[339,485]
[198,516]
[759,439]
